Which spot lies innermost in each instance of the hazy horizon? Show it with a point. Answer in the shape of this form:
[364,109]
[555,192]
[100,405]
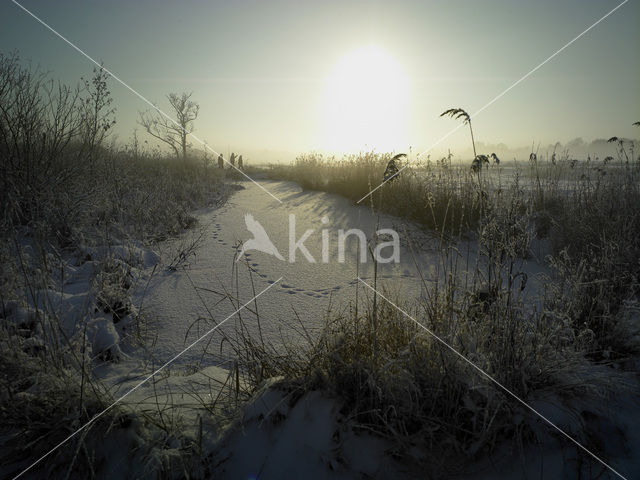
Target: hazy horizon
[338,77]
[577,148]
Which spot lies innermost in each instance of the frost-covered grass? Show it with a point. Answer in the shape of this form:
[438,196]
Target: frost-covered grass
[80,223]
[66,307]
[393,378]
[436,198]
[584,212]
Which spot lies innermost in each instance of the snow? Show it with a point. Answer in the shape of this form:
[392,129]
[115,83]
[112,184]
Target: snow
[103,337]
[610,423]
[133,254]
[277,437]
[195,295]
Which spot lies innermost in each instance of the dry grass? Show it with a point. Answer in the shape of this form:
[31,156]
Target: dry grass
[444,199]
[586,211]
[64,189]
[393,379]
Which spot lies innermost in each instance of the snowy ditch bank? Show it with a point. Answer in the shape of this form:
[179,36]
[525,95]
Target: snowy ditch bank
[266,440]
[145,307]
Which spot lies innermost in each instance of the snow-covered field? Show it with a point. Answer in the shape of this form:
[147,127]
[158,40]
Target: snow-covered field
[177,302]
[276,438]
[300,443]
[183,304]
[177,299]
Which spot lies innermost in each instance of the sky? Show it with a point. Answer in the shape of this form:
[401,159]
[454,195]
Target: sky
[283,78]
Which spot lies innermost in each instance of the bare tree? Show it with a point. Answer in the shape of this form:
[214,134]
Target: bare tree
[173,132]
[40,120]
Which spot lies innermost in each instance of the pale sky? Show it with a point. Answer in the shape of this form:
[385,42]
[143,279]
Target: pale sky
[340,76]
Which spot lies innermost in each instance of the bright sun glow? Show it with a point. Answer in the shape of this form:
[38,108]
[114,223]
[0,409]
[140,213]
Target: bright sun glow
[366,103]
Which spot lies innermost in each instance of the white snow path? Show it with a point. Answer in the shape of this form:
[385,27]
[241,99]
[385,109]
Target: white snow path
[194,296]
[180,306]
[175,300]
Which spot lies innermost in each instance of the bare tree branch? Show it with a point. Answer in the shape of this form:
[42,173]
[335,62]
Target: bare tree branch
[173,134]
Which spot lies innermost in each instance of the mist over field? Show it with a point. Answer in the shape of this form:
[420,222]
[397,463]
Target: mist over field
[576,148]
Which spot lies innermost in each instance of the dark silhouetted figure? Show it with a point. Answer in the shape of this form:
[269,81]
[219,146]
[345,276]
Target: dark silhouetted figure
[240,165]
[220,161]
[232,159]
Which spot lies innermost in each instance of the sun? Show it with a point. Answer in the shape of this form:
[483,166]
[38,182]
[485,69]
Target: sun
[366,103]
